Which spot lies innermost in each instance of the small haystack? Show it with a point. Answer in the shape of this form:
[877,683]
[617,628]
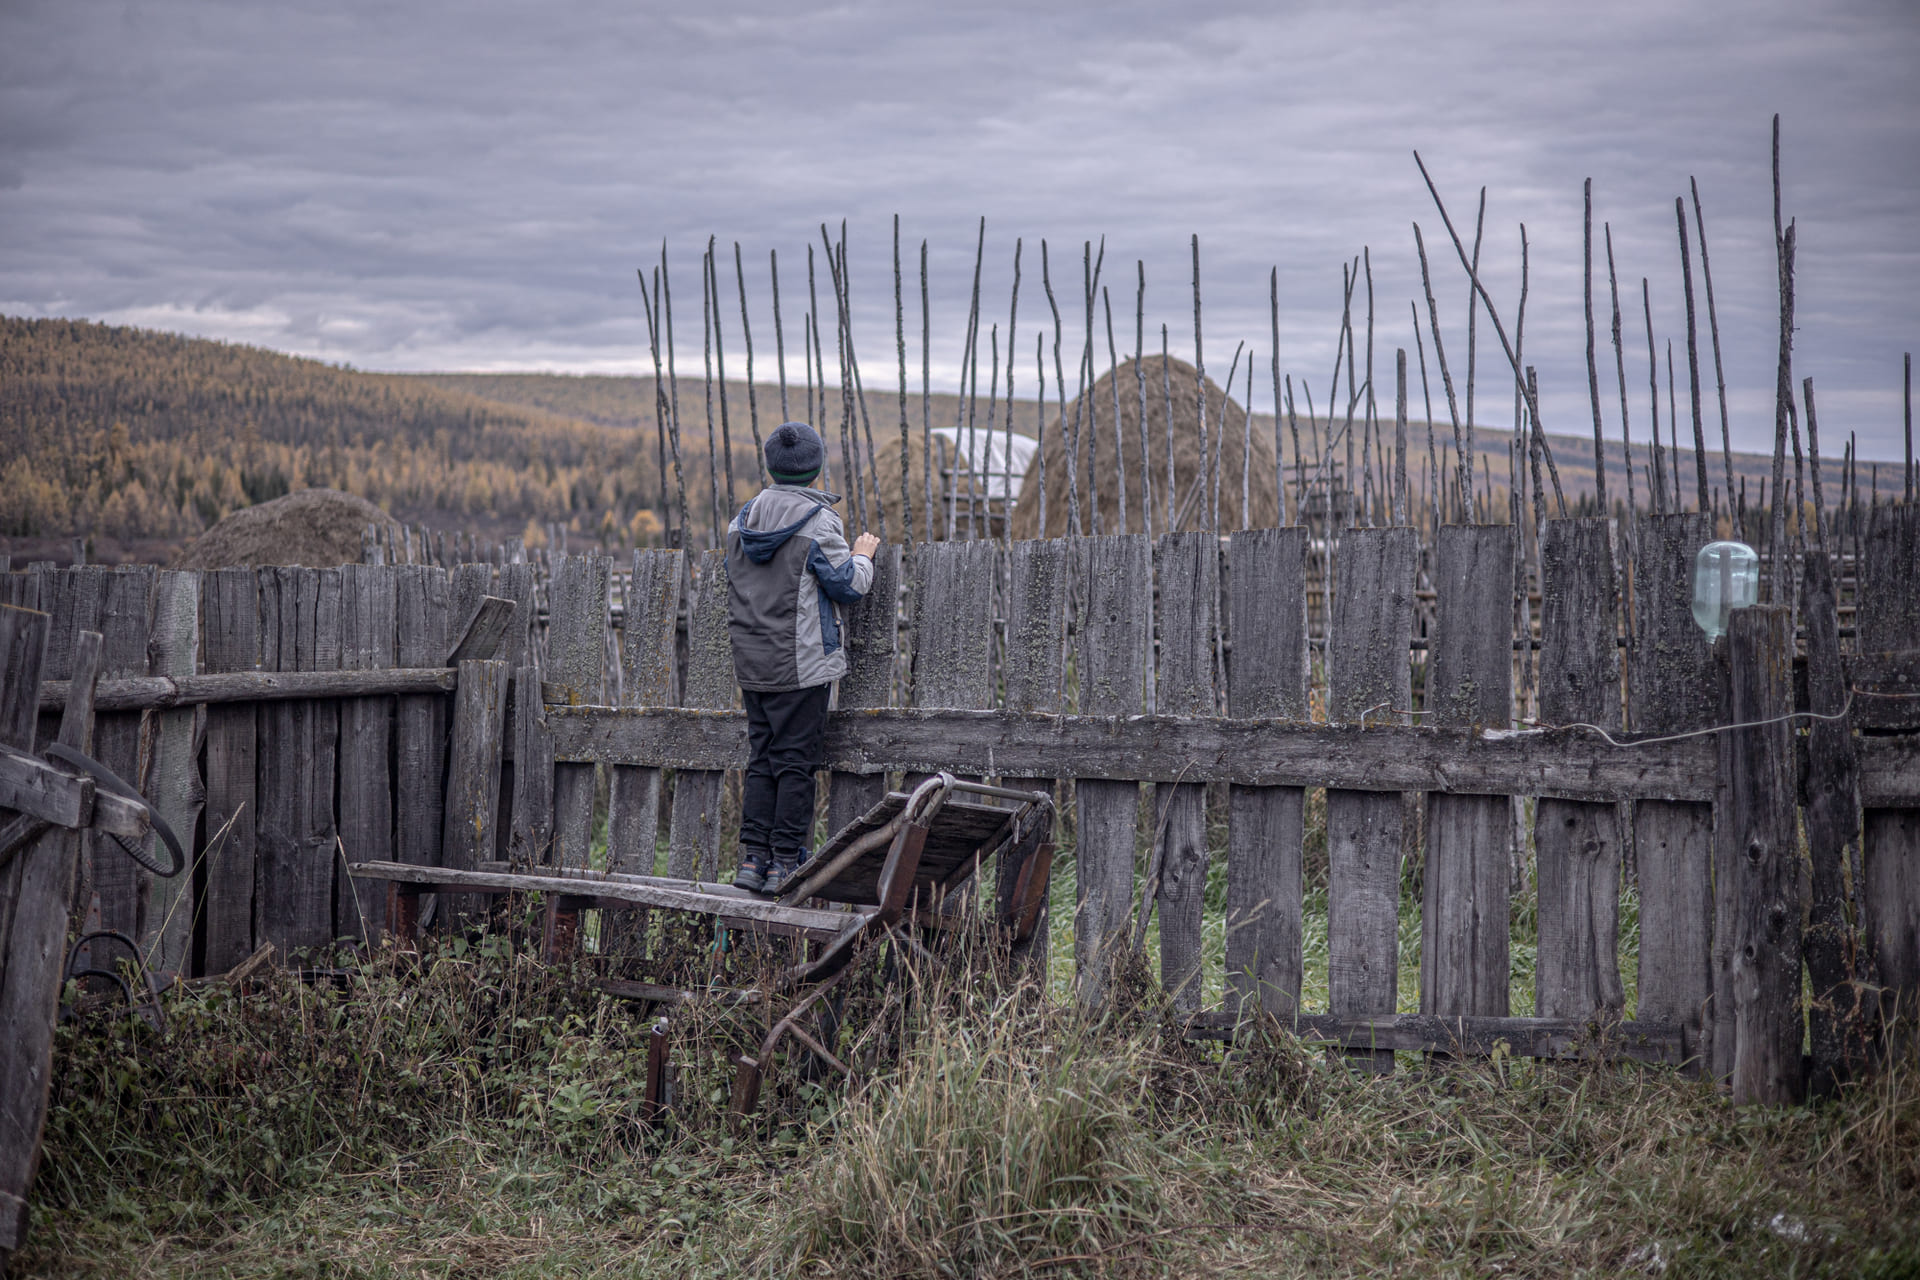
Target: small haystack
[1098,473]
[316,528]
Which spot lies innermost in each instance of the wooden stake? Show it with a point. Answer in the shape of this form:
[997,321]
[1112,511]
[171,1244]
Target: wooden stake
[779,333]
[1013,321]
[1279,464]
[1783,396]
[1166,392]
[1200,386]
[1657,473]
[926,394]
[720,366]
[1446,378]
[1593,371]
[673,391]
[1473,274]
[753,397]
[1620,378]
[1060,381]
[900,343]
[1113,379]
[1693,355]
[1140,379]
[1400,514]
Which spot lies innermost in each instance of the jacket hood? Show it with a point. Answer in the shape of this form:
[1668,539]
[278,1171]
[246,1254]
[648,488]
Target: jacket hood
[775,515]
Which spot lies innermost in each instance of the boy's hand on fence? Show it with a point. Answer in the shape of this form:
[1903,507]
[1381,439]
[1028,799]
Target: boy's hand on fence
[865,545]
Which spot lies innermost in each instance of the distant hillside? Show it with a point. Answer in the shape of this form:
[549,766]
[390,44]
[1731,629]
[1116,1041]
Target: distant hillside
[139,440]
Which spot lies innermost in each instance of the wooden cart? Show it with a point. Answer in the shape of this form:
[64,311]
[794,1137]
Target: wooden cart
[897,865]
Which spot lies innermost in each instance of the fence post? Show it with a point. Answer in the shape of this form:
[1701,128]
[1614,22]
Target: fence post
[1757,771]
[1889,569]
[577,648]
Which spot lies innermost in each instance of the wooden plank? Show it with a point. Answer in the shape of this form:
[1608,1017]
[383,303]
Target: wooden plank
[1034,675]
[1266,679]
[953,624]
[120,885]
[1187,567]
[45,791]
[1113,606]
[1369,681]
[173,775]
[23,653]
[515,582]
[369,642]
[74,599]
[1759,767]
[473,774]
[230,605]
[693,828]
[1658,1042]
[872,635]
[1577,846]
[577,649]
[1838,1023]
[421,606]
[1886,690]
[530,842]
[35,955]
[1569,763]
[647,658]
[1889,619]
[300,629]
[1674,687]
[644,891]
[1464,966]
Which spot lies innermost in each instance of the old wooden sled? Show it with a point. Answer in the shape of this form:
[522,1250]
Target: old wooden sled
[894,867]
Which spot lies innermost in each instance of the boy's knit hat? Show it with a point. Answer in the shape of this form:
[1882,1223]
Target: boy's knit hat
[795,453]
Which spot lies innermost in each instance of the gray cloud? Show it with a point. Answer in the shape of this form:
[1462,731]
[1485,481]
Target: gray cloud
[471,186]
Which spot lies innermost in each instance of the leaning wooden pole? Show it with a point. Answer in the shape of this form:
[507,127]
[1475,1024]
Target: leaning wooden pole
[1713,331]
[900,343]
[1693,356]
[753,396]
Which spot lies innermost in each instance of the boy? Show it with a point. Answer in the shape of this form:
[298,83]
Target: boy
[788,571]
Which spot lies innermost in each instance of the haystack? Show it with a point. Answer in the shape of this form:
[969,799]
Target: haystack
[1103,462]
[316,528]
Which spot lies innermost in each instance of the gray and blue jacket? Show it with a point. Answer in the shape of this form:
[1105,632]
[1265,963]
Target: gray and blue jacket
[789,570]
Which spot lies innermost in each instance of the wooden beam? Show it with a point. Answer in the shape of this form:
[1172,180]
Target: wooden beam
[140,693]
[1569,763]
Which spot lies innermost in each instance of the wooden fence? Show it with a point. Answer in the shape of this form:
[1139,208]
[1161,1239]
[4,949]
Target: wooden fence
[295,719]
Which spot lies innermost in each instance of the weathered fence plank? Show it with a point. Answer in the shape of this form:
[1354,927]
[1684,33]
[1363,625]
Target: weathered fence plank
[1577,846]
[1889,618]
[370,640]
[473,775]
[120,886]
[1113,588]
[1674,687]
[576,675]
[23,650]
[1759,768]
[953,624]
[1187,566]
[230,603]
[1464,965]
[1839,1029]
[870,636]
[1035,679]
[647,658]
[1266,679]
[300,630]
[173,774]
[693,835]
[1369,681]
[41,879]
[420,720]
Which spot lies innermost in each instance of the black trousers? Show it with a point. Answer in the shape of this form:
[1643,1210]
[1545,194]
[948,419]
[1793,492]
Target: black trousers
[784,736]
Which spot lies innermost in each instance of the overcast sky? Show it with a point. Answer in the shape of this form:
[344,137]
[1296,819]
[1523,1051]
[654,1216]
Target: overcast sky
[470,186]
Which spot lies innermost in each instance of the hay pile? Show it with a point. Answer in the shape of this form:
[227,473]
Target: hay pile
[1098,474]
[316,528]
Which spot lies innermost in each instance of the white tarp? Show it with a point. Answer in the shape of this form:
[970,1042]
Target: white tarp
[989,457]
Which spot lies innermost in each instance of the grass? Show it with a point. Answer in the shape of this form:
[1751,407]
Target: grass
[478,1114]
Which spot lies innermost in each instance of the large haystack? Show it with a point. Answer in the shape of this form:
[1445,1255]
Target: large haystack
[317,528]
[1099,474]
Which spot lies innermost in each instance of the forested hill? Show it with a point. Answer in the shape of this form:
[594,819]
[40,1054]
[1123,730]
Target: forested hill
[142,439]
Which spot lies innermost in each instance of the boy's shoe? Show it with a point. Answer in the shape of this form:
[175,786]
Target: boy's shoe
[779,874]
[752,875]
